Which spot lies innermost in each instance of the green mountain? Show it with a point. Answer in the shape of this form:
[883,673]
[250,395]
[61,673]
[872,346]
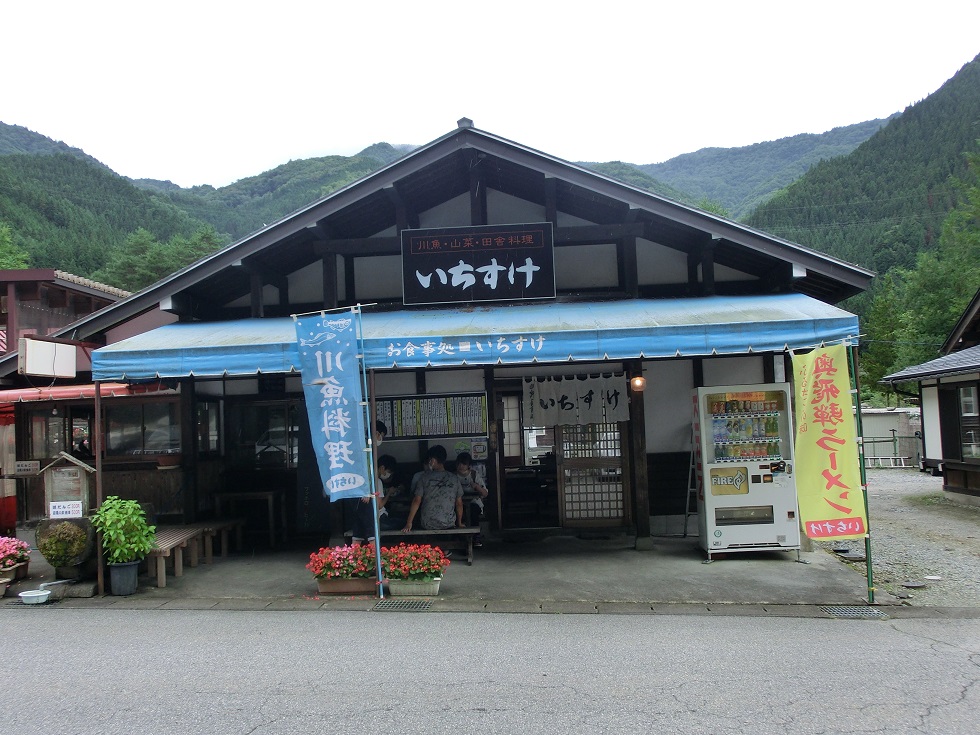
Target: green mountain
[739,179]
[634,176]
[16,139]
[884,203]
[878,205]
[249,204]
[69,213]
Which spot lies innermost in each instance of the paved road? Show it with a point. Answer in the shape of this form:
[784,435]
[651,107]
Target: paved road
[181,671]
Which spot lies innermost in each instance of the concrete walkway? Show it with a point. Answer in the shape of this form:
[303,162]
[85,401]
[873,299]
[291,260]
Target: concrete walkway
[558,574]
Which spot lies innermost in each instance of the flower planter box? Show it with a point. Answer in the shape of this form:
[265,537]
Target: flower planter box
[356,586]
[15,571]
[414,587]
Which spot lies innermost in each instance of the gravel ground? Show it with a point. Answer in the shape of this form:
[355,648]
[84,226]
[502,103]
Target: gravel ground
[917,533]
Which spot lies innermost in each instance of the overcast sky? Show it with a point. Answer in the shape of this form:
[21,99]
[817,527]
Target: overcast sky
[208,92]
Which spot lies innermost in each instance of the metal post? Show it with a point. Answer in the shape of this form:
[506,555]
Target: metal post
[856,390]
[97,448]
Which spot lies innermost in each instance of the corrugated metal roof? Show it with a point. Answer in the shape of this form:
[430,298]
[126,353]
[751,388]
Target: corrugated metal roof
[492,335]
[955,363]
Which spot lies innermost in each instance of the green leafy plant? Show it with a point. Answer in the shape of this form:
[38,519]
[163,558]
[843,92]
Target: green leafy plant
[63,544]
[126,536]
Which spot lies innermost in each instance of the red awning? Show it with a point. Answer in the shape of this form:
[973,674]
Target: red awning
[70,392]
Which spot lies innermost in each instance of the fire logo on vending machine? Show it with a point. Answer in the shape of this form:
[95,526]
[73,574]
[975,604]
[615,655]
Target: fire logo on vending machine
[729,481]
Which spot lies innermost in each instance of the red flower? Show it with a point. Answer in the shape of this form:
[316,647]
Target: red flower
[413,561]
[343,562]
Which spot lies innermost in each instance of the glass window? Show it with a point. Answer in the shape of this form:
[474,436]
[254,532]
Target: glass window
[264,434]
[969,422]
[124,429]
[47,433]
[207,427]
[142,428]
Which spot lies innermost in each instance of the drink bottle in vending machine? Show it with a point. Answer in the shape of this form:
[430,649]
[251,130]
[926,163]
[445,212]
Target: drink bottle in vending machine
[747,491]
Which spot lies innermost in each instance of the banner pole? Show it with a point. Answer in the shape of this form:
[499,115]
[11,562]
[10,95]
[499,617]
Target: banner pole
[372,460]
[856,390]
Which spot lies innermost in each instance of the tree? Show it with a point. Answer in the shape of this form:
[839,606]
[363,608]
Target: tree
[144,260]
[932,296]
[11,256]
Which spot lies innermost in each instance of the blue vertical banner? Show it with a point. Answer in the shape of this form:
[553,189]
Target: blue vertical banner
[332,386]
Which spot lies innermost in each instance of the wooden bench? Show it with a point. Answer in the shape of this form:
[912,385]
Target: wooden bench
[172,540]
[468,534]
[210,529]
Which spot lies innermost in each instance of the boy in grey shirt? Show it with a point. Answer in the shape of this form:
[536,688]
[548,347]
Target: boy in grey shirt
[437,496]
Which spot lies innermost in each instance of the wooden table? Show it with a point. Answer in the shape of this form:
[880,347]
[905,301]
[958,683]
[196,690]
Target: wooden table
[269,496]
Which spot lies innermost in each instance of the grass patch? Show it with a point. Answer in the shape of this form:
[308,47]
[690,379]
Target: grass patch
[927,500]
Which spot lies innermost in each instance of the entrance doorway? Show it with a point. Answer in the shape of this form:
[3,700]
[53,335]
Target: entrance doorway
[573,476]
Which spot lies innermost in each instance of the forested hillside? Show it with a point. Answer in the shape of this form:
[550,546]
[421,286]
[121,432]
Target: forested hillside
[70,214]
[249,204]
[885,202]
[632,175]
[739,179]
[16,139]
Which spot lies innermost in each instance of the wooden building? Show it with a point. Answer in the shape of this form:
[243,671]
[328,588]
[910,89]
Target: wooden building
[581,284]
[949,394]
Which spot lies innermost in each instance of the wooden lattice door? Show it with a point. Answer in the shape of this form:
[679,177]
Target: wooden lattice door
[593,481]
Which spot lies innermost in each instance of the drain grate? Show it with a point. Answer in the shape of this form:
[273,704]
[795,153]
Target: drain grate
[403,605]
[21,603]
[855,612]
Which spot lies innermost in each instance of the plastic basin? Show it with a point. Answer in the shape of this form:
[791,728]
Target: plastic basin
[35,597]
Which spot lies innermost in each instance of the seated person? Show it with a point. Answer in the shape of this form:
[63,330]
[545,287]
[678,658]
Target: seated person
[473,491]
[393,502]
[437,496]
[390,516]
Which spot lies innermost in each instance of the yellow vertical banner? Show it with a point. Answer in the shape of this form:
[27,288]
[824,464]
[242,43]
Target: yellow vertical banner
[828,469]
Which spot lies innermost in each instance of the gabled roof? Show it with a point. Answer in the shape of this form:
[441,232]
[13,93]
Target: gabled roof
[442,170]
[966,333]
[955,363]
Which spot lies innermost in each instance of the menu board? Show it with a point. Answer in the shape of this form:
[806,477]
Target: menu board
[433,416]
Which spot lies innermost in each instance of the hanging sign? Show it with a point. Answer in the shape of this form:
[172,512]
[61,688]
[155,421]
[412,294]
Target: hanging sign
[559,401]
[828,470]
[486,263]
[331,371]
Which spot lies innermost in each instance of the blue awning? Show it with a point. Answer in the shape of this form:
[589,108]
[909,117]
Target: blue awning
[493,335]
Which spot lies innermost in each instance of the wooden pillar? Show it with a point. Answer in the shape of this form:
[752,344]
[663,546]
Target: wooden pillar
[638,453]
[188,449]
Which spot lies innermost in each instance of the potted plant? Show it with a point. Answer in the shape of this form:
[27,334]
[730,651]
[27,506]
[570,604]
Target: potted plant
[413,569]
[14,557]
[345,570]
[126,539]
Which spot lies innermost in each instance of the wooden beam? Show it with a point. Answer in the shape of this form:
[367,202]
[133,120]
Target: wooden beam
[350,291]
[329,268]
[708,268]
[626,256]
[478,190]
[255,301]
[404,217]
[551,200]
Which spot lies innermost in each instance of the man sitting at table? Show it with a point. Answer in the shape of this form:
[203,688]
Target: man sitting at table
[437,496]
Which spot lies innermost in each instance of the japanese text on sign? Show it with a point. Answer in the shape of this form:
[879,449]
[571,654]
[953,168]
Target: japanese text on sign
[332,388]
[486,349]
[487,263]
[827,463]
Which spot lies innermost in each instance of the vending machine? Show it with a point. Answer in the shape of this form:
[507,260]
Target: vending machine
[743,452]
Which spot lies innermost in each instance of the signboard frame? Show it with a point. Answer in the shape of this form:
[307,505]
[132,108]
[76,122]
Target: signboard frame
[448,265]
